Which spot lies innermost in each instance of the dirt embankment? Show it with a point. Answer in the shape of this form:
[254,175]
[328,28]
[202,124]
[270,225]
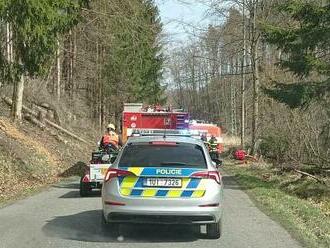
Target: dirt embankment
[31,157]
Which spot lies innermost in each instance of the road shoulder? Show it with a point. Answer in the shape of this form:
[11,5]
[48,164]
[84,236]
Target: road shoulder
[301,218]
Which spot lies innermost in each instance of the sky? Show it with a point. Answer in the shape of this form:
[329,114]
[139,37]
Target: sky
[179,18]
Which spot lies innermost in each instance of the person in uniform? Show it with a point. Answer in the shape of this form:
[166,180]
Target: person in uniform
[110,138]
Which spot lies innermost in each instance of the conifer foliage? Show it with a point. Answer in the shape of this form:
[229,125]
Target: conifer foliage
[107,52]
[305,42]
[35,26]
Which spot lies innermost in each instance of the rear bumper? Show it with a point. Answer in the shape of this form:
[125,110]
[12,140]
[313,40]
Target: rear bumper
[159,219]
[124,209]
[181,211]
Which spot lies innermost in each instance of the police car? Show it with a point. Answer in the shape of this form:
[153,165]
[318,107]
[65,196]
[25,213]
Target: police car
[163,180]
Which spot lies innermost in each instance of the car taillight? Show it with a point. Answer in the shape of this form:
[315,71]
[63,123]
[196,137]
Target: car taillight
[113,173]
[215,175]
[86,179]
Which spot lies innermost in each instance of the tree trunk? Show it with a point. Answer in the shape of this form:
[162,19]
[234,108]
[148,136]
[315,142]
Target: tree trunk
[17,98]
[243,82]
[255,117]
[68,65]
[8,47]
[74,62]
[255,68]
[71,63]
[9,42]
[233,103]
[16,110]
[58,69]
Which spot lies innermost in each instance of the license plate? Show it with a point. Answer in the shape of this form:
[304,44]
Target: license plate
[97,173]
[163,182]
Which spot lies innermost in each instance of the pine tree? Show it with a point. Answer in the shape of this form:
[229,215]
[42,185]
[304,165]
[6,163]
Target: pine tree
[305,43]
[35,27]
[135,61]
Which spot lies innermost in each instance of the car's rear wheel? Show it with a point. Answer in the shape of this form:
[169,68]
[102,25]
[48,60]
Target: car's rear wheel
[85,189]
[213,230]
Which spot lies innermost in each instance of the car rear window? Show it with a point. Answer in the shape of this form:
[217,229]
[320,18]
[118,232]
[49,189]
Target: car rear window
[153,155]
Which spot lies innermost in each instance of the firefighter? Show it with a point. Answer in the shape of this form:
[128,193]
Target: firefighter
[110,138]
[213,143]
[213,140]
[213,147]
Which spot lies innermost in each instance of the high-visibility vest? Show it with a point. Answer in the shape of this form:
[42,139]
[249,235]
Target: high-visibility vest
[111,137]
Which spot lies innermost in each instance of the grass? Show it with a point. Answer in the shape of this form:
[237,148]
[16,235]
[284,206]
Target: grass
[301,205]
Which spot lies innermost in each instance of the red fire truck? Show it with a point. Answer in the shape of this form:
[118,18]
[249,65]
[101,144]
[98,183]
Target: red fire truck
[140,118]
[199,128]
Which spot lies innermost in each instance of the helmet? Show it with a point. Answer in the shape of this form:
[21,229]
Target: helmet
[111,126]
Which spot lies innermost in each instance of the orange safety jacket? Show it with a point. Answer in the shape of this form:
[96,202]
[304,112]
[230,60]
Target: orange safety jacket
[110,138]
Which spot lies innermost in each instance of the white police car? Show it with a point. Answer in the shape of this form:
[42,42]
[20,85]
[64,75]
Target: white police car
[169,180]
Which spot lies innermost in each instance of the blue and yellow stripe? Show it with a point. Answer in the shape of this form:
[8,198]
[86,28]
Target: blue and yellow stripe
[133,185]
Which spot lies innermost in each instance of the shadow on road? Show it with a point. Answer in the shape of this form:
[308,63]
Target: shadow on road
[75,194]
[86,226]
[67,186]
[230,183]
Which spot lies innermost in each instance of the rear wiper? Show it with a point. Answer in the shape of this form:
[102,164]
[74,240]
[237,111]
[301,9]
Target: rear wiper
[173,163]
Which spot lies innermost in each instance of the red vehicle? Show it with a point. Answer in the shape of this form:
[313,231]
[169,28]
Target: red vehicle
[139,118]
[208,130]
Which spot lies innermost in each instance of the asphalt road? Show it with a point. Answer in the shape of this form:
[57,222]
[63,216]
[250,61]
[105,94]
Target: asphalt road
[58,217]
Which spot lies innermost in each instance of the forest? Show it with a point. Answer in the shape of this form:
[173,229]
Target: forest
[92,55]
[259,69]
[260,77]
[262,72]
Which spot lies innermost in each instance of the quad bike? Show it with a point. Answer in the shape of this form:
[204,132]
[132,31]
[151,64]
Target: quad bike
[96,170]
